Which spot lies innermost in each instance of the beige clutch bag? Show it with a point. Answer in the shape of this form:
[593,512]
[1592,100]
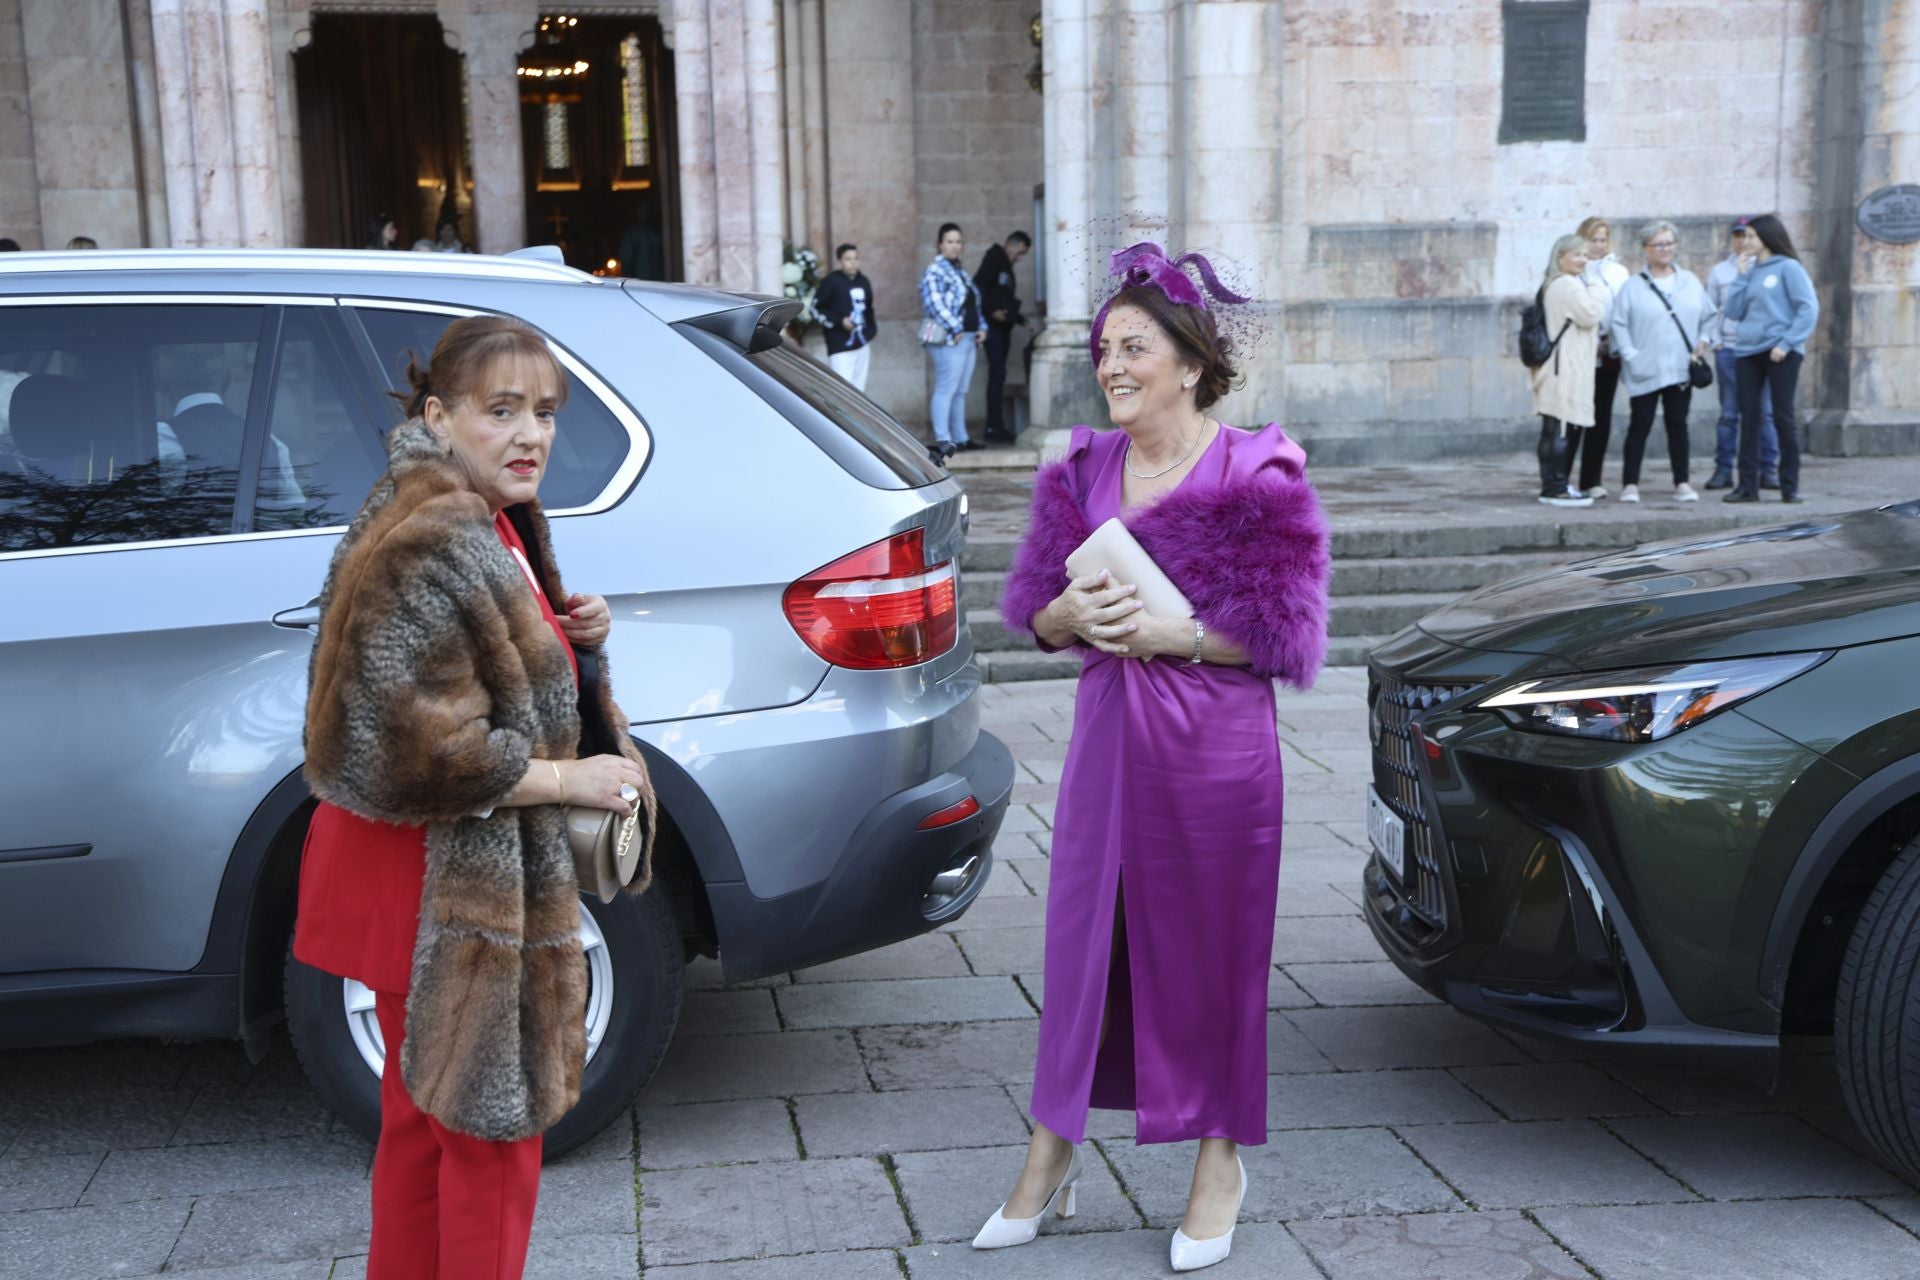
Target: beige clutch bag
[606,854]
[1114,548]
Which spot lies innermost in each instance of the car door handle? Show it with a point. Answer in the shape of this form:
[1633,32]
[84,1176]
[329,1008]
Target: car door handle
[305,618]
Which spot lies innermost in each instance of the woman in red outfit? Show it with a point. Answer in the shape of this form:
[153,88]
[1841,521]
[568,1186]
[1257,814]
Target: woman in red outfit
[445,731]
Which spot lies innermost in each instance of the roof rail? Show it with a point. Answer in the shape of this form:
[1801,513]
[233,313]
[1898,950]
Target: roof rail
[369,261]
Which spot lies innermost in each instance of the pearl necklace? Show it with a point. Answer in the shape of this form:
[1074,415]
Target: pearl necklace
[1127,461]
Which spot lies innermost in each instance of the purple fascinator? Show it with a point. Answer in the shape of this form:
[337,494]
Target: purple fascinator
[1146,263]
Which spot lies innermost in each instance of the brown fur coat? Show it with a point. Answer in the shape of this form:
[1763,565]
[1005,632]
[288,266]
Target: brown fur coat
[435,680]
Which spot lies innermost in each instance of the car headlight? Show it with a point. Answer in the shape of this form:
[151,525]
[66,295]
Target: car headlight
[1644,704]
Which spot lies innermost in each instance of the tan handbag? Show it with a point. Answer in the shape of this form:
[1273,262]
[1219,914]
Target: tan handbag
[606,854]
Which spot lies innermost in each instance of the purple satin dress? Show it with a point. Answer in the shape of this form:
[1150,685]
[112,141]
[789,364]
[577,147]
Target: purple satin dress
[1170,803]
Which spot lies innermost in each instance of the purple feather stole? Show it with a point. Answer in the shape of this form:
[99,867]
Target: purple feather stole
[1250,553]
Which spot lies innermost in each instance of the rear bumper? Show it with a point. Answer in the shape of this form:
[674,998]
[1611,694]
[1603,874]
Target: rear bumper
[878,893]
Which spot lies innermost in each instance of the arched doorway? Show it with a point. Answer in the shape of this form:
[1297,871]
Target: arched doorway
[597,135]
[383,129]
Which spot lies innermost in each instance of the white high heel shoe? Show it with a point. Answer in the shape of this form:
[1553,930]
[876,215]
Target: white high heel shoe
[1190,1255]
[1002,1232]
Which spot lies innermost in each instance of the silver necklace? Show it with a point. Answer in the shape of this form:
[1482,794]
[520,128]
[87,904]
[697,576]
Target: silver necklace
[1127,461]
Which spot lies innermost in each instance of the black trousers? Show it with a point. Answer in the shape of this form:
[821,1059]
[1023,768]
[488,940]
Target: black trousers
[1558,444]
[1755,375]
[1593,449]
[999,340]
[1672,402]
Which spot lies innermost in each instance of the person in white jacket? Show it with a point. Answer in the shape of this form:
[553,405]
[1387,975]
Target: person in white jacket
[1610,273]
[1563,386]
[1661,321]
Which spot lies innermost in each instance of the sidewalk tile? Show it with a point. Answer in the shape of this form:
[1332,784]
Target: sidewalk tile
[1553,1091]
[727,1013]
[931,955]
[1307,939]
[566,1256]
[1358,982]
[586,1200]
[1004,951]
[1806,1082]
[699,1133]
[761,1210]
[94,1240]
[951,1193]
[1284,993]
[1305,899]
[718,1068]
[45,1182]
[94,1118]
[1289,1052]
[1414,1036]
[950,1055]
[1507,1165]
[1260,1252]
[253,1228]
[862,1264]
[1768,1240]
[1349,1099]
[231,1166]
[1752,1157]
[908,1000]
[1437,1246]
[1036,873]
[907,1120]
[229,1113]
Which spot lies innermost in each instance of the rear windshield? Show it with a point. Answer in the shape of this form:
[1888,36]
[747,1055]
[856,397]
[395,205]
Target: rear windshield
[851,429]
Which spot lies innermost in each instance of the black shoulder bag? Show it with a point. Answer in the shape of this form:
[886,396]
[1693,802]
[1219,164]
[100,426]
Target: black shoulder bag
[1699,372]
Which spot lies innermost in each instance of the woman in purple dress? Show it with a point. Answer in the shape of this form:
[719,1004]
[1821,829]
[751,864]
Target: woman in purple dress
[1166,846]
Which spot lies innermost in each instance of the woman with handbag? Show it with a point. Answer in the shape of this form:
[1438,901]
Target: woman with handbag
[1775,306]
[1659,323]
[1166,844]
[1605,269]
[951,330]
[1575,303]
[445,728]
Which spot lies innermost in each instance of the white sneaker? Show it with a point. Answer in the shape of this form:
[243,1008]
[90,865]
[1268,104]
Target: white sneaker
[1567,500]
[1683,492]
[1598,491]
[1630,494]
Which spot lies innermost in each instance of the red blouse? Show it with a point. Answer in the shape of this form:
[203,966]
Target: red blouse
[361,880]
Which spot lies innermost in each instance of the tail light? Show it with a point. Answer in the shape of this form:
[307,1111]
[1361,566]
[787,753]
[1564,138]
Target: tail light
[883,606]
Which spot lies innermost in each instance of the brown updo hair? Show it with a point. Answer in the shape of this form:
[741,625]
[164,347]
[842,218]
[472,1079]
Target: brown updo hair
[466,356]
[1195,335]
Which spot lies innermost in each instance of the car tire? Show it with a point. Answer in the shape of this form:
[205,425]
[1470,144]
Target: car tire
[1876,1024]
[645,960]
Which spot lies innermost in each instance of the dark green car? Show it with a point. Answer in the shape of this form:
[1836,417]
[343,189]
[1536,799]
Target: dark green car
[1667,800]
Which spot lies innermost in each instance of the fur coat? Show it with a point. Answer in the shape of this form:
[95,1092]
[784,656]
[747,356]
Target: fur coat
[434,682]
[1250,553]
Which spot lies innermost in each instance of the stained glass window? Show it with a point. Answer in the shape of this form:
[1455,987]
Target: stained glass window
[635,128]
[559,146]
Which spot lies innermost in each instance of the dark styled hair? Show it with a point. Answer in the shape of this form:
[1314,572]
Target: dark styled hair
[1020,236]
[1773,234]
[9,245]
[844,250]
[1195,335]
[942,233]
[83,242]
[466,355]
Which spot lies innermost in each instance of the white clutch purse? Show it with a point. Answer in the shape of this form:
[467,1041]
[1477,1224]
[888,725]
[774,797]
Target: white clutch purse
[1114,548]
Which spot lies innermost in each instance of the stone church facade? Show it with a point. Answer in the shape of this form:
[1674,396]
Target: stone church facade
[1391,173]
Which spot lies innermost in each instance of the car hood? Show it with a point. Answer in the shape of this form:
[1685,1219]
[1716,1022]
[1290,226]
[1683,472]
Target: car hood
[1815,584]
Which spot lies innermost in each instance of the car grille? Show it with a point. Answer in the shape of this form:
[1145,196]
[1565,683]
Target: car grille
[1391,706]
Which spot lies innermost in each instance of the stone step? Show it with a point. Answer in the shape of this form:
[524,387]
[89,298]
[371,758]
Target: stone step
[1349,616]
[1009,666]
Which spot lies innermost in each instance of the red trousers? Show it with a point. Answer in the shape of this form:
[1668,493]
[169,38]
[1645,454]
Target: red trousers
[445,1206]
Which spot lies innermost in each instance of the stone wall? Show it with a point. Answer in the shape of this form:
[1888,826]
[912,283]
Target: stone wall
[19,188]
[83,143]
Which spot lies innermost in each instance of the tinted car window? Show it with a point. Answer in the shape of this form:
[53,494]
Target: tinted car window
[320,457]
[121,423]
[589,444]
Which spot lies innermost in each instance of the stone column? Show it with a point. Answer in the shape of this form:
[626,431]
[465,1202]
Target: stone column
[1865,374]
[260,213]
[813,129]
[693,85]
[762,76]
[491,34]
[732,148]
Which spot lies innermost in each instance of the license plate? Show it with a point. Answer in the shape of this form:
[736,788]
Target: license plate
[1388,835]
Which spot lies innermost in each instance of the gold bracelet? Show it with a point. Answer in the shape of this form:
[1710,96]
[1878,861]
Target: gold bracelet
[558,781]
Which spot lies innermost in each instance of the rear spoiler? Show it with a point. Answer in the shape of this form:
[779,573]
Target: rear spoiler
[753,327]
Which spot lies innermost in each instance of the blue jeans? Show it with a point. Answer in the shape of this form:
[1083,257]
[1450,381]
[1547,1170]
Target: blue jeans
[952,372]
[1727,430]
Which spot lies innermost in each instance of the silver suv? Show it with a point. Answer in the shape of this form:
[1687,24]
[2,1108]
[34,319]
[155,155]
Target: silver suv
[183,438]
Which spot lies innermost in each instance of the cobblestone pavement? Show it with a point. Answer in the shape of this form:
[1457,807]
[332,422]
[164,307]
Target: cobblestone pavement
[858,1121]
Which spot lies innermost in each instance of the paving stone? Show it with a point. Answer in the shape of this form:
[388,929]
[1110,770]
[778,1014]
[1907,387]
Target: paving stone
[1004,951]
[727,1013]
[1751,1157]
[553,1255]
[35,1074]
[93,1240]
[1553,1091]
[1288,1051]
[1284,993]
[1771,1240]
[615,1142]
[1352,1099]
[1309,899]
[1036,873]
[1360,982]
[907,1120]
[1306,1173]
[703,974]
[902,1002]
[586,1199]
[1437,1246]
[951,1055]
[1042,767]
[1507,1165]
[352,1268]
[1414,1036]
[1805,1083]
[1904,1210]
[94,1118]
[239,1113]
[1107,1125]
[760,1210]
[1024,817]
[1002,883]
[1037,793]
[718,1068]
[1299,840]
[1000,913]
[700,1133]
[931,955]
[230,1166]
[310,1269]
[253,1228]
[862,1264]
[951,1193]
[45,1182]
[1259,1250]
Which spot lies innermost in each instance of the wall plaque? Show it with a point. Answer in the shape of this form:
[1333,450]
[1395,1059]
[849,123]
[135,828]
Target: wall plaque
[1543,88]
[1892,214]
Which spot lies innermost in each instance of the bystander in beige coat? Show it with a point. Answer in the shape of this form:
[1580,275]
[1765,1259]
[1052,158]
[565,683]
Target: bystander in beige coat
[1563,386]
